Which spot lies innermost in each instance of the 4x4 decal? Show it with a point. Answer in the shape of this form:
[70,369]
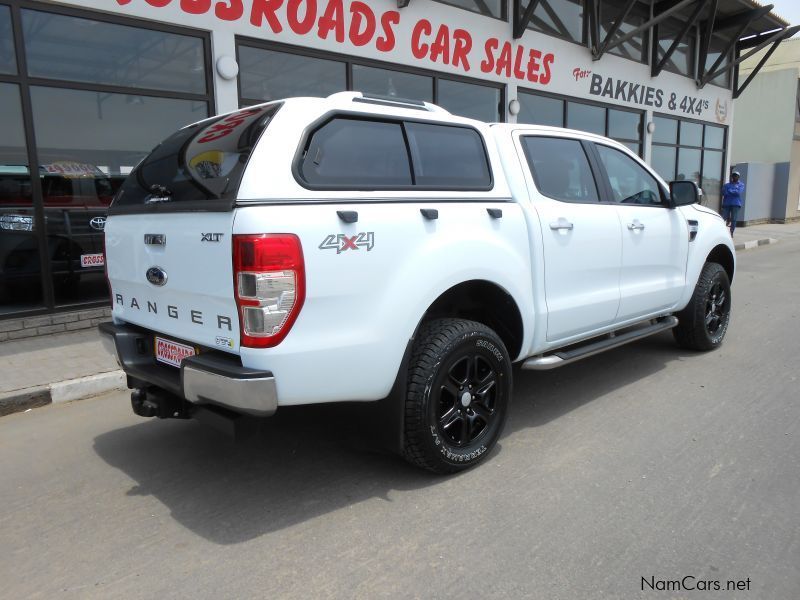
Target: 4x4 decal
[341,242]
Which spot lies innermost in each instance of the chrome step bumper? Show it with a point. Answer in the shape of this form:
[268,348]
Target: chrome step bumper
[212,377]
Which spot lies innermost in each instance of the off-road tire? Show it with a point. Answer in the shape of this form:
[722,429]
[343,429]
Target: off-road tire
[703,323]
[449,426]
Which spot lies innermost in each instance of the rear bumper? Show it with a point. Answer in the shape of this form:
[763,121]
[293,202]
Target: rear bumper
[209,378]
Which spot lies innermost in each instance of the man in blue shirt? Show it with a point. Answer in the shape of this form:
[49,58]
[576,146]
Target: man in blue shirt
[732,200]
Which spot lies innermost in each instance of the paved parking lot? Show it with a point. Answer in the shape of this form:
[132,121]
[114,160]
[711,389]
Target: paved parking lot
[645,462]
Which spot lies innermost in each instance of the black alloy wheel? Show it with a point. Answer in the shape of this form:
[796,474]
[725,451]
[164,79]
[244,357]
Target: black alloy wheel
[459,386]
[717,308]
[467,393]
[702,325]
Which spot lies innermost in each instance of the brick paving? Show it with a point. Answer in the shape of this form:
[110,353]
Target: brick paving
[52,358]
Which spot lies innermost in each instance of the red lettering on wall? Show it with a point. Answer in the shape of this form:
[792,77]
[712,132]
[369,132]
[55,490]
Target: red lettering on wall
[463,45]
[447,46]
[196,7]
[548,60]
[262,9]
[361,15]
[487,64]
[332,19]
[387,41]
[418,48]
[306,24]
[441,45]
[232,11]
[504,61]
[518,72]
[533,65]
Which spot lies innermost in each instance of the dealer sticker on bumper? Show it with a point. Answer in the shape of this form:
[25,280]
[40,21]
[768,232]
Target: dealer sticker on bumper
[172,353]
[92,260]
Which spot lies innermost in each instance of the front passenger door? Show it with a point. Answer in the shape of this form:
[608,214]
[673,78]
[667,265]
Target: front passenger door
[655,238]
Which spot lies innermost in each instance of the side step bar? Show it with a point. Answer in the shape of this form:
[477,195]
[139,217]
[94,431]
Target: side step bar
[559,359]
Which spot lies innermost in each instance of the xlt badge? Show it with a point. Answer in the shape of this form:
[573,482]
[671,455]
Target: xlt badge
[211,237]
[155,239]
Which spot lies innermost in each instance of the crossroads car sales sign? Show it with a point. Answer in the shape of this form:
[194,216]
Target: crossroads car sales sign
[432,44]
[442,38]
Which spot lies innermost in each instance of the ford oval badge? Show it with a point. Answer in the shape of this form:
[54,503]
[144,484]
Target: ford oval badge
[156,276]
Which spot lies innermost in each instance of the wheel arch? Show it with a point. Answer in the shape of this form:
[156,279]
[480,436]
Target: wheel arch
[723,256]
[486,302]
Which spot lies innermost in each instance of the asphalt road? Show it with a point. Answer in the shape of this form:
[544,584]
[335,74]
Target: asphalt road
[645,462]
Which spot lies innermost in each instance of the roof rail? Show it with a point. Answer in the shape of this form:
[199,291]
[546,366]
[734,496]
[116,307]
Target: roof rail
[384,100]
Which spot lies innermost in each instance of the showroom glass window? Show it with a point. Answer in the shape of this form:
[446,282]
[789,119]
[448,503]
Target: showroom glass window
[101,93]
[8,58]
[20,271]
[269,71]
[625,126]
[266,75]
[392,83]
[690,150]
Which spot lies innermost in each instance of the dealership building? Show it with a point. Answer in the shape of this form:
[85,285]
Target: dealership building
[88,88]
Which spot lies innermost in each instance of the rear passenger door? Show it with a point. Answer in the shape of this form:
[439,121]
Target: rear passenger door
[655,238]
[582,239]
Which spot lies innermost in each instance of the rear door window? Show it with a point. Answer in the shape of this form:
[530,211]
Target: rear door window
[560,168]
[201,163]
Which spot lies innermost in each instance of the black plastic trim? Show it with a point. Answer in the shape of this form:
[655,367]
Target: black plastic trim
[407,200]
[495,213]
[220,205]
[348,216]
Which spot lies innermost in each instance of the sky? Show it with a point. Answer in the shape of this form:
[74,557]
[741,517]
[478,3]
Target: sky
[788,9]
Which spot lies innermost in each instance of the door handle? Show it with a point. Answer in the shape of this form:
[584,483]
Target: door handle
[636,225]
[562,223]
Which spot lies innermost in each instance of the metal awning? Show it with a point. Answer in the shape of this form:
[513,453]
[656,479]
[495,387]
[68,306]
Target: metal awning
[743,27]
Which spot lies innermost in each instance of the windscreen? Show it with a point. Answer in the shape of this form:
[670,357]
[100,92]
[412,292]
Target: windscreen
[199,164]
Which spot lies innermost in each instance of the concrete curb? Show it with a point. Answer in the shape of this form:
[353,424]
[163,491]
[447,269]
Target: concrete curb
[755,244]
[61,391]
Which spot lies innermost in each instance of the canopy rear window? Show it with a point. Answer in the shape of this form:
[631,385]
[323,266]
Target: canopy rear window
[198,168]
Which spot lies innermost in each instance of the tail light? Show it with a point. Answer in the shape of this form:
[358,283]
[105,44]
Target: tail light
[270,283]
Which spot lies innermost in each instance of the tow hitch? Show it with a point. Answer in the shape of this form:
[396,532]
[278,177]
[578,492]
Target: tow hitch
[153,402]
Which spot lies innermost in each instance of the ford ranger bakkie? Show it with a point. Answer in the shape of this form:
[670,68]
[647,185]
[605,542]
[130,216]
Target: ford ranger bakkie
[371,249]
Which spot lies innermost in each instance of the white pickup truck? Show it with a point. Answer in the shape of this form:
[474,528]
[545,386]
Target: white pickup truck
[360,248]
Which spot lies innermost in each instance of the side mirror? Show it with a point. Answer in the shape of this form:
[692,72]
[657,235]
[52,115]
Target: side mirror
[683,193]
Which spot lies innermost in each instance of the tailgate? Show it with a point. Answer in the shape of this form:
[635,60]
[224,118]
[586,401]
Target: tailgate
[173,273]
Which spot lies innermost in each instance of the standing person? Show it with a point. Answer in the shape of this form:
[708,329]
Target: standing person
[732,200]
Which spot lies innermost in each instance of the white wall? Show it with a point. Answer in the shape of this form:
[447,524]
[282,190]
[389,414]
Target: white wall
[764,124]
